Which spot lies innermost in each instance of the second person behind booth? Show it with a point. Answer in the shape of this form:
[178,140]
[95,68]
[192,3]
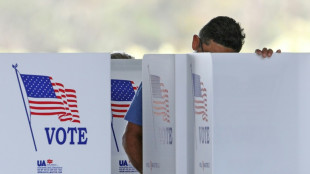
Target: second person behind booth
[221,34]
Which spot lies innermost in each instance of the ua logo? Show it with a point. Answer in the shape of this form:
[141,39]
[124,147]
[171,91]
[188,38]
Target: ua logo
[123,163]
[41,163]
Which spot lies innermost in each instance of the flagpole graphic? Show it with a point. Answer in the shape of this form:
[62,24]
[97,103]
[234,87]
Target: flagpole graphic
[28,115]
[47,98]
[116,144]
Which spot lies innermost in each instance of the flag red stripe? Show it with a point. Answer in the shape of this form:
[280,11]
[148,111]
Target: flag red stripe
[165,96]
[47,114]
[201,112]
[118,116]
[66,119]
[160,102]
[164,90]
[70,90]
[198,101]
[46,108]
[120,105]
[44,102]
[73,106]
[70,95]
[160,113]
[59,84]
[200,107]
[160,108]
[157,101]
[118,110]
[61,90]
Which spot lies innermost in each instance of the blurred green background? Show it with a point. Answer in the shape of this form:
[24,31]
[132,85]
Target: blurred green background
[152,26]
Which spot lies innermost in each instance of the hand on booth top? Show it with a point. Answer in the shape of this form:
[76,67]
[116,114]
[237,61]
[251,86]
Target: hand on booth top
[266,52]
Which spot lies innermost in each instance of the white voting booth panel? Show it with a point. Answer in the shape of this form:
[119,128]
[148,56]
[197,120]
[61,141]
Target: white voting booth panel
[244,114]
[165,114]
[202,87]
[125,80]
[55,113]
[261,114]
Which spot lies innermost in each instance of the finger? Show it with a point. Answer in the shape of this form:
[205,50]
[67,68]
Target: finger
[278,51]
[258,52]
[269,52]
[264,52]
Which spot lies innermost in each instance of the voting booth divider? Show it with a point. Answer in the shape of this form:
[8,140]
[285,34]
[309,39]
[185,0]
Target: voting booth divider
[177,113]
[55,113]
[125,79]
[160,112]
[64,113]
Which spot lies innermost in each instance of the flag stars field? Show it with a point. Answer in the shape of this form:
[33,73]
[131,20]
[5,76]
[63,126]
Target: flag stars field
[122,93]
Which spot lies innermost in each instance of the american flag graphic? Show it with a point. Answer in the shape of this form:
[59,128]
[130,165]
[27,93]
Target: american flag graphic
[200,98]
[160,98]
[122,94]
[48,98]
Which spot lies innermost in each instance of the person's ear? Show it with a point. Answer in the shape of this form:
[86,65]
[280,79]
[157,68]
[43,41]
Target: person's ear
[195,43]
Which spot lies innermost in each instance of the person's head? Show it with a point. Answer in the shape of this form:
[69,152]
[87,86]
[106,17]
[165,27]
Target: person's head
[121,55]
[221,34]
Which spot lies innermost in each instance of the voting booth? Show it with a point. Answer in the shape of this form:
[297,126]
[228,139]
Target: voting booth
[125,79]
[167,124]
[244,114]
[56,113]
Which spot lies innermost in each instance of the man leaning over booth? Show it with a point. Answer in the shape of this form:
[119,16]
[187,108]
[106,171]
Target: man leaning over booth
[221,34]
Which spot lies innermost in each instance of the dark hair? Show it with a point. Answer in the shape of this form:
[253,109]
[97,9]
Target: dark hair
[225,31]
[121,55]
